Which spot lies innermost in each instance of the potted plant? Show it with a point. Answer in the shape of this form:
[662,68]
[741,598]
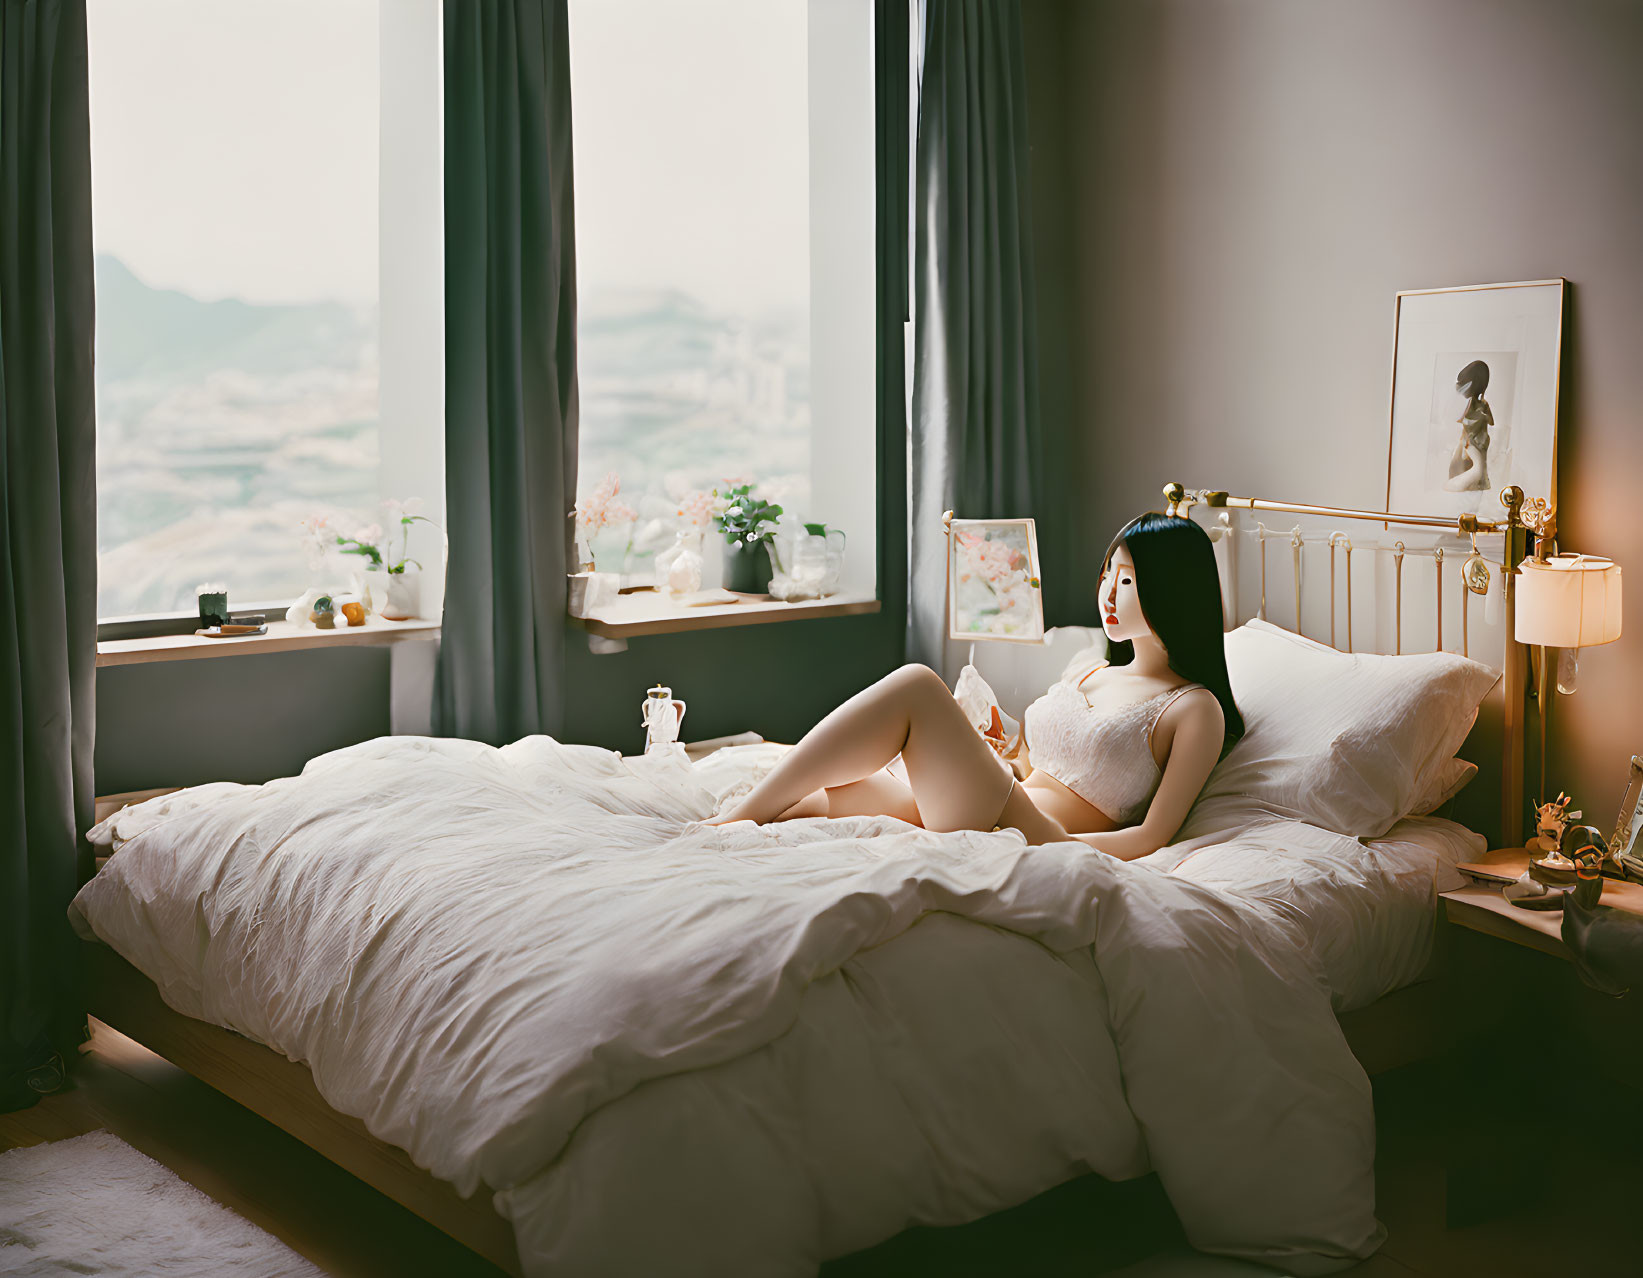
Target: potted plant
[748,522]
[404,593]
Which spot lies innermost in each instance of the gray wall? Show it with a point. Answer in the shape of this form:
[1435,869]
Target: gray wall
[254,718]
[172,723]
[1252,181]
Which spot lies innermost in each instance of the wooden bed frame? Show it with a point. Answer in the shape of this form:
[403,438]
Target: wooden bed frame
[283,1092]
[1401,1028]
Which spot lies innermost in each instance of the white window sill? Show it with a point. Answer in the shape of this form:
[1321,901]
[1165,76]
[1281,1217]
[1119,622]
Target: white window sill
[282,636]
[652,612]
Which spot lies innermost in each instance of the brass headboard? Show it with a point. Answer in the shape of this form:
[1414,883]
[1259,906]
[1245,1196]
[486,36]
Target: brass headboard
[1508,542]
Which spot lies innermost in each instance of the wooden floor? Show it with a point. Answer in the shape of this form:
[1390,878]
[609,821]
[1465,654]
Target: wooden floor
[1084,1228]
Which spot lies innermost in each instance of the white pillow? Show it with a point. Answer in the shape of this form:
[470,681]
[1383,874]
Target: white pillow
[1445,783]
[1352,742]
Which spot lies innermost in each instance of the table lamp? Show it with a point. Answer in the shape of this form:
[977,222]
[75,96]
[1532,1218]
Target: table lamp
[1568,602]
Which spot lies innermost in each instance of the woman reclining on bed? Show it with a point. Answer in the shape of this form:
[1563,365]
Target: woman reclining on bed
[1116,760]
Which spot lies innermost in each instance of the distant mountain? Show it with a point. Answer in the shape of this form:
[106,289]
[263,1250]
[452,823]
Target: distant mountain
[158,333]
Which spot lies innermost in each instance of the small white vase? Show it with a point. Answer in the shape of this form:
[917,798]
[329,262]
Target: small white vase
[404,595]
[684,564]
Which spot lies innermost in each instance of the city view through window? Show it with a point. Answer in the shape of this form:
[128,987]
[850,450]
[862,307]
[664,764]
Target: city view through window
[691,135]
[234,170]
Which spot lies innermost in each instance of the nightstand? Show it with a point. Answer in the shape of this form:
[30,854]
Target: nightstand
[1480,907]
[1525,1032]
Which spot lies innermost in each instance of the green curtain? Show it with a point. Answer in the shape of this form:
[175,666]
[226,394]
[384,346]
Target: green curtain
[979,447]
[510,369]
[48,535]
[893,23]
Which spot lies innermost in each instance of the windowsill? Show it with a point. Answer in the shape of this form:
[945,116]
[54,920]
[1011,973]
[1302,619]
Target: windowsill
[651,612]
[282,636]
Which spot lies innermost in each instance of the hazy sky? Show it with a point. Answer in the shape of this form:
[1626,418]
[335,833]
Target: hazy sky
[234,145]
[691,124]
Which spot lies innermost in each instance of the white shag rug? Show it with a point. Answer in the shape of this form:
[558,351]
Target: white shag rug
[94,1205]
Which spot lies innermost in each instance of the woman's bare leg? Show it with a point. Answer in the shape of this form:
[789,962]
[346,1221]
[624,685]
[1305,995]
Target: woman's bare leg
[958,783]
[878,795]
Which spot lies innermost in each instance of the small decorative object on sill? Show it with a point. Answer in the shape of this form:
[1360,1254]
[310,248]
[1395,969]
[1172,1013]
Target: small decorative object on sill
[404,594]
[808,562]
[231,630]
[213,600]
[834,537]
[748,523]
[354,611]
[679,568]
[1552,819]
[297,614]
[747,568]
[324,613]
[660,715]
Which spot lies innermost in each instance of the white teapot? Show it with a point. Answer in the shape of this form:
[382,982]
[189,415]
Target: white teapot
[661,716]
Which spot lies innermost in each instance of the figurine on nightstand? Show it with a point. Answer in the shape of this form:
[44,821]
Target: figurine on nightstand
[1553,819]
[1605,943]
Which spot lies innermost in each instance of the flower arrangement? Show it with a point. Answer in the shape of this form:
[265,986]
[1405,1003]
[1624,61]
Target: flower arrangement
[317,538]
[372,543]
[743,517]
[601,510]
[696,509]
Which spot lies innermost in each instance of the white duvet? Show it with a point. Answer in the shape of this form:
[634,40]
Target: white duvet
[669,1048]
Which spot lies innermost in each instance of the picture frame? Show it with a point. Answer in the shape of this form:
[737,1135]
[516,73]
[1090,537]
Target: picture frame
[1629,823]
[994,590]
[1476,374]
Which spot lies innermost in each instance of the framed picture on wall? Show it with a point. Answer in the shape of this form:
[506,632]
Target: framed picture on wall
[993,586]
[1475,374]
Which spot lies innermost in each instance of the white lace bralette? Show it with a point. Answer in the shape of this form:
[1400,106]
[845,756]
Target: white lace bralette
[1102,756]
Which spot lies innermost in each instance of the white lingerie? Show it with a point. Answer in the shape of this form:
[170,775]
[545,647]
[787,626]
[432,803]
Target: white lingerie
[1104,757]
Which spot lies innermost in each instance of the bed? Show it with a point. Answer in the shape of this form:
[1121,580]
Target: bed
[521,991]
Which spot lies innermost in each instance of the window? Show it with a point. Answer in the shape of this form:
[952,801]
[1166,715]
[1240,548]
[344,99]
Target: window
[724,244]
[237,148]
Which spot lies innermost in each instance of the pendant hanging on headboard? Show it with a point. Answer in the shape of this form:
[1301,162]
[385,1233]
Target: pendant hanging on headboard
[1295,550]
[1397,587]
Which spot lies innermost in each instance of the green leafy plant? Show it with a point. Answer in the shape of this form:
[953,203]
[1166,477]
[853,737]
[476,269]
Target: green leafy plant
[373,544]
[743,517]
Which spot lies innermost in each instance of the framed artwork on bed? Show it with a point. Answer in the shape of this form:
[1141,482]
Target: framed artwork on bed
[1475,374]
[993,587]
[1630,821]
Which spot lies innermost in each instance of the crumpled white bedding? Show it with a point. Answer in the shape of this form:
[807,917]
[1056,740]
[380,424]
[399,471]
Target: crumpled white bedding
[771,1045]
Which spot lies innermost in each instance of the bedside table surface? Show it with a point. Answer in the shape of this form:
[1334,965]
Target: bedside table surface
[1482,908]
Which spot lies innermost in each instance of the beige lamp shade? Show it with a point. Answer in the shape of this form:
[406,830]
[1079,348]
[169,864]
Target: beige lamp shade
[1568,601]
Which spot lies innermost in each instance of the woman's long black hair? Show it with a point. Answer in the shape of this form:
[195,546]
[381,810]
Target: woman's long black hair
[1180,593]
